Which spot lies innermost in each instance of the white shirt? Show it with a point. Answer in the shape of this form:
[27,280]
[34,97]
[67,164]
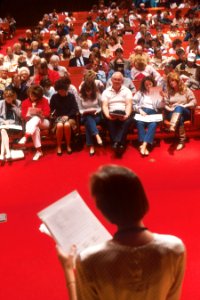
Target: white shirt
[116,101]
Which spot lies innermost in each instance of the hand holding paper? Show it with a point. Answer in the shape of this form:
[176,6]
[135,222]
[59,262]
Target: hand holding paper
[71,222]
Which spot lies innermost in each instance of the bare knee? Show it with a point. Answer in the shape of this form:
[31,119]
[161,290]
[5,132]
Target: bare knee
[59,126]
[67,125]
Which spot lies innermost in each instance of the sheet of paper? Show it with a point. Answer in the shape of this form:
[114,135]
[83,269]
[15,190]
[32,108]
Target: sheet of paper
[11,126]
[88,111]
[155,93]
[70,221]
[149,118]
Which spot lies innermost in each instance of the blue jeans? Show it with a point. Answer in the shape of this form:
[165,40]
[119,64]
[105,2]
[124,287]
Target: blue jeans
[90,122]
[185,114]
[146,130]
[118,130]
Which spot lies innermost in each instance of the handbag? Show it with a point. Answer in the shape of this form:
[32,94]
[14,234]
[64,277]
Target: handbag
[77,142]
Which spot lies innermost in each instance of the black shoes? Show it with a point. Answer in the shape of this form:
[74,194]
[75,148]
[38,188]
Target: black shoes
[118,148]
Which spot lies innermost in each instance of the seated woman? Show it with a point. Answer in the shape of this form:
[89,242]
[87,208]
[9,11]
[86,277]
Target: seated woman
[113,44]
[91,76]
[141,69]
[179,99]
[104,51]
[35,113]
[145,104]
[90,109]
[64,107]
[10,113]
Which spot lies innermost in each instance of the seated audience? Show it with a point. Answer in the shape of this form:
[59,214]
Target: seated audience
[20,83]
[10,114]
[35,113]
[54,65]
[141,69]
[48,88]
[91,76]
[64,107]
[113,44]
[176,44]
[96,67]
[117,109]
[179,58]
[158,60]
[145,104]
[71,38]
[90,110]
[179,100]
[5,80]
[78,60]
[187,69]
[44,72]
[1,61]
[10,60]
[119,54]
[138,51]
[194,83]
[119,66]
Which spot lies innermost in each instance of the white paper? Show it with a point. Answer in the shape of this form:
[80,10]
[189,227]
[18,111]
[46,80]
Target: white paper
[155,93]
[11,126]
[88,111]
[149,118]
[71,222]
[16,154]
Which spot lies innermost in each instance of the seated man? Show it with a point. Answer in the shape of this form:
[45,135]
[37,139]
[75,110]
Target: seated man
[119,67]
[119,54]
[78,60]
[5,80]
[117,109]
[187,69]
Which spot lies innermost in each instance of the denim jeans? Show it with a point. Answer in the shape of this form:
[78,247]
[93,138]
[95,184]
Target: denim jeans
[146,130]
[185,114]
[90,122]
[118,130]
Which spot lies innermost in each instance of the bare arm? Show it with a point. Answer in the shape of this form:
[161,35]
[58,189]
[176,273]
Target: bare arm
[67,263]
[106,110]
[128,108]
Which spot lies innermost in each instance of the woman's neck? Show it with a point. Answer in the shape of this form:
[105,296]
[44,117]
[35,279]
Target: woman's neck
[133,235]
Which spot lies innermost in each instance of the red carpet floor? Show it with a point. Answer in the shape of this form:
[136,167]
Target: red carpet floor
[29,268]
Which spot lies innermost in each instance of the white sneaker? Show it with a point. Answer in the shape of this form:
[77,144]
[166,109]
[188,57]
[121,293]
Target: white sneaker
[1,157]
[22,140]
[37,155]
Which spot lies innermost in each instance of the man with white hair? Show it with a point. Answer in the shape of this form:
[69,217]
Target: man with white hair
[78,60]
[11,60]
[5,80]
[117,109]
[54,65]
